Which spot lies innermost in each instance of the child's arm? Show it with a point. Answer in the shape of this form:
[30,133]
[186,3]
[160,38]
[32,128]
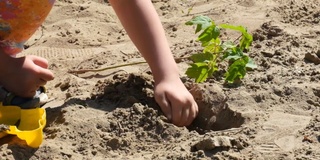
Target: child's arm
[143,26]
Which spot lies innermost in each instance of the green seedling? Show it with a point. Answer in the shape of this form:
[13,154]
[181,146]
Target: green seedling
[216,51]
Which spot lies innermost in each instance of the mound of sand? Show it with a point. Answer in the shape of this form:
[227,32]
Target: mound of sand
[273,114]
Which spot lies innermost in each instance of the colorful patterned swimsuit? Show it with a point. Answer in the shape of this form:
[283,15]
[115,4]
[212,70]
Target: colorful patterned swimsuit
[19,19]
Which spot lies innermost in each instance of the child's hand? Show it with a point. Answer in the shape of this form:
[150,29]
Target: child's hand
[176,102]
[23,76]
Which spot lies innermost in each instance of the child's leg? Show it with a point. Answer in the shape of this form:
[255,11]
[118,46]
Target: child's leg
[19,19]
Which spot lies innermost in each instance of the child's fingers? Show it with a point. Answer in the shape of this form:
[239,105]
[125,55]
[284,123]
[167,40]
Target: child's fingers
[185,113]
[177,114]
[39,61]
[193,113]
[165,105]
[42,65]
[45,74]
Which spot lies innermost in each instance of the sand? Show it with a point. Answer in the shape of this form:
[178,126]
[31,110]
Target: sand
[273,114]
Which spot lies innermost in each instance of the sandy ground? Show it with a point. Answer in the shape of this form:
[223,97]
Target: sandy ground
[273,114]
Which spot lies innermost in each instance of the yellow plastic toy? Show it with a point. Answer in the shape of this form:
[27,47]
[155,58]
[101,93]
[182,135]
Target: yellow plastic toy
[27,124]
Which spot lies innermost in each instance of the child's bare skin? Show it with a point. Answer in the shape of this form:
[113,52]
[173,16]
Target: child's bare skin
[23,76]
[143,25]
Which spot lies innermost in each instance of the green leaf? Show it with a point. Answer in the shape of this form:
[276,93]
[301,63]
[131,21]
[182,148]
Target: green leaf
[212,32]
[233,54]
[236,28]
[202,57]
[234,57]
[246,38]
[202,22]
[214,46]
[237,70]
[228,45]
[251,64]
[215,51]
[202,70]
[212,68]
[246,41]
[198,71]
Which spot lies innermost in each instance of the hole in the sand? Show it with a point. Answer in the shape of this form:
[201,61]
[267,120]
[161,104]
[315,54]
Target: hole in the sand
[214,113]
[221,120]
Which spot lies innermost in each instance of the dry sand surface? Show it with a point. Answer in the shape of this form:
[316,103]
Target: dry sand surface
[273,114]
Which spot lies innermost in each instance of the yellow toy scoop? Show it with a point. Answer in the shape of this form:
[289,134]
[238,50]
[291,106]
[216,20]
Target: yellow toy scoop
[27,124]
